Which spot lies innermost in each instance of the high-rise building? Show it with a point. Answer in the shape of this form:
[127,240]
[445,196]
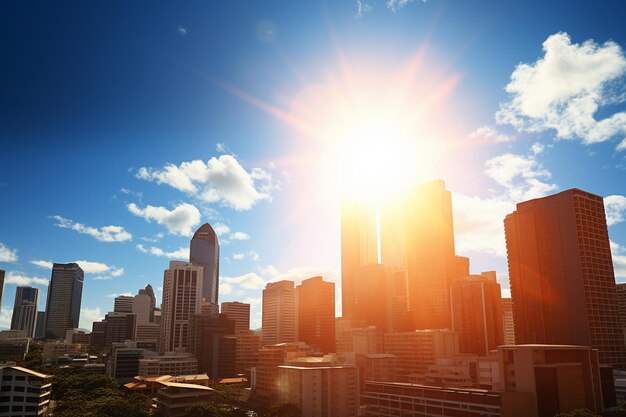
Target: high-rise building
[239,312]
[182,298]
[248,345]
[64,297]
[150,293]
[213,343]
[25,310]
[142,306]
[359,247]
[507,321]
[204,250]
[123,304]
[40,325]
[561,274]
[279,314]
[374,302]
[316,313]
[431,264]
[2,273]
[477,313]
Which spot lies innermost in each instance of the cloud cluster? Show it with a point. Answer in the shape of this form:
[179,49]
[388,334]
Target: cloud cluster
[619,259]
[615,207]
[489,134]
[179,221]
[249,281]
[180,253]
[220,180]
[7,254]
[102,270]
[103,234]
[479,221]
[19,278]
[564,89]
[395,5]
[88,316]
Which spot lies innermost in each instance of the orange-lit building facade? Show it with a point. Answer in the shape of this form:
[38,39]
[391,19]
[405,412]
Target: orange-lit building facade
[477,313]
[316,313]
[561,274]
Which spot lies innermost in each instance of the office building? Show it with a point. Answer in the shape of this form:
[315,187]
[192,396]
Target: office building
[375,367]
[169,364]
[403,399]
[25,310]
[316,313]
[279,321]
[142,306]
[150,293]
[477,313]
[507,321]
[123,304]
[123,361]
[117,327]
[64,298]
[431,264]
[359,246]
[78,336]
[416,350]
[248,345]
[265,376]
[560,378]
[204,250]
[320,391]
[213,343]
[40,325]
[351,337]
[561,274]
[239,313]
[173,399]
[182,299]
[25,393]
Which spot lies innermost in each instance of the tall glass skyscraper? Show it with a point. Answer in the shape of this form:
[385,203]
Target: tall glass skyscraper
[204,250]
[64,298]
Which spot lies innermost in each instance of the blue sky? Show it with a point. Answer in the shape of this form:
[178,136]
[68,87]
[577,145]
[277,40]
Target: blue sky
[105,106]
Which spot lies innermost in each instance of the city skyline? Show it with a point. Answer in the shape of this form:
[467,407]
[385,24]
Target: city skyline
[123,217]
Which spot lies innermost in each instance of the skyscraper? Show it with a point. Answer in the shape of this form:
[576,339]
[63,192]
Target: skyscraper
[25,310]
[204,250]
[316,313]
[561,274]
[430,260]
[279,316]
[477,313]
[359,246]
[182,298]
[64,298]
[123,304]
[239,312]
[507,321]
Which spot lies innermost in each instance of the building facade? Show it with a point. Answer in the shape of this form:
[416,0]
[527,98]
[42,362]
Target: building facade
[279,315]
[561,274]
[64,298]
[25,310]
[239,313]
[24,392]
[316,313]
[204,251]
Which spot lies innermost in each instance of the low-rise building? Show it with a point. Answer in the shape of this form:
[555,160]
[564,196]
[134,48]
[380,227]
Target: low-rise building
[174,398]
[168,364]
[23,392]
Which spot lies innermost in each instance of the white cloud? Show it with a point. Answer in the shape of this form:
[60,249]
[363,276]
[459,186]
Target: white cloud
[153,239]
[19,278]
[240,236]
[395,5]
[220,147]
[225,289]
[103,234]
[239,256]
[221,229]
[180,253]
[219,180]
[615,207]
[254,256]
[89,267]
[619,259]
[479,221]
[489,134]
[537,148]
[88,316]
[181,220]
[299,274]
[564,89]
[361,8]
[519,175]
[114,295]
[5,317]
[182,30]
[249,281]
[7,254]
[268,271]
